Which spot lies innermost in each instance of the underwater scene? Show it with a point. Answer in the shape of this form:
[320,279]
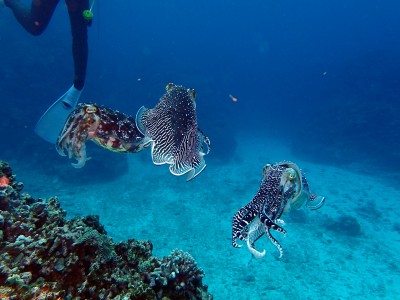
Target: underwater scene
[199,150]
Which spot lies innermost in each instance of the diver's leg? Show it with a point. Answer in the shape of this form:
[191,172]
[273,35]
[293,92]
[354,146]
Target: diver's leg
[79,39]
[36,18]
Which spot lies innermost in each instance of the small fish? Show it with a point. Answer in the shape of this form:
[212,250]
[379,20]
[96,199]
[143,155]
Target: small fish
[234,99]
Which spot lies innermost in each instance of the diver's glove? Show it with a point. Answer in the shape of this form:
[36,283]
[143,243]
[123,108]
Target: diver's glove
[71,97]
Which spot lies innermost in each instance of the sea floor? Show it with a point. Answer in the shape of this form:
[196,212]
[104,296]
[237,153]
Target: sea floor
[348,249]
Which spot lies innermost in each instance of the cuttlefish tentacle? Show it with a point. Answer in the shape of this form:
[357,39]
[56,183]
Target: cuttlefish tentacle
[264,219]
[241,219]
[274,241]
[256,230]
[268,224]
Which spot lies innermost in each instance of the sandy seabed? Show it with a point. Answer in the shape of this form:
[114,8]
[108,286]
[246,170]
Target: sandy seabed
[348,249]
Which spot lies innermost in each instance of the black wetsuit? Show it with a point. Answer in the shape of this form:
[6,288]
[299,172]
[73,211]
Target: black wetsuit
[36,18]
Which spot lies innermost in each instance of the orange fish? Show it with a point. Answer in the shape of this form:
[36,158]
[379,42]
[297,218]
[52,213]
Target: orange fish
[4,181]
[234,99]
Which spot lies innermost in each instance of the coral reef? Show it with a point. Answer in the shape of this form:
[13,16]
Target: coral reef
[43,255]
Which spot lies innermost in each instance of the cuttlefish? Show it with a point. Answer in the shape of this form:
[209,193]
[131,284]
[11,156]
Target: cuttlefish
[110,129]
[283,188]
[172,131]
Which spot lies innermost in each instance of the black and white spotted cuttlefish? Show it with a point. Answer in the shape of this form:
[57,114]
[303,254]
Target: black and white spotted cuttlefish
[110,129]
[172,131]
[283,188]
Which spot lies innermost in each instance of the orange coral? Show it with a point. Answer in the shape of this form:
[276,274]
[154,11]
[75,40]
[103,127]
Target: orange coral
[4,181]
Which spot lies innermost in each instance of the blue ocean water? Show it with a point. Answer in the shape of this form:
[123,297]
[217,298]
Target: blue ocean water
[319,79]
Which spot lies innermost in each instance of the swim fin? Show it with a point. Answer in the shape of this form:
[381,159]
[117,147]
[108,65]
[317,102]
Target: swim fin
[52,121]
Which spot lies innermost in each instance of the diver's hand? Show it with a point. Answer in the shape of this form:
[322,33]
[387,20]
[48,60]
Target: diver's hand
[71,97]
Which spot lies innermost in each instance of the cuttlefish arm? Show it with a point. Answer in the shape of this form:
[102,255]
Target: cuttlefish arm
[79,127]
[255,231]
[268,224]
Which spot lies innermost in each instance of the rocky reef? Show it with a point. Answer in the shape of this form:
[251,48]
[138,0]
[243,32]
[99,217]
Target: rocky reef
[43,255]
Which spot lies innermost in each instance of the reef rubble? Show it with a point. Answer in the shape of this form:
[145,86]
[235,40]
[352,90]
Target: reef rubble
[43,255]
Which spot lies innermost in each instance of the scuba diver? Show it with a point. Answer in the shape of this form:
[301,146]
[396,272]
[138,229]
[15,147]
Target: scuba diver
[35,20]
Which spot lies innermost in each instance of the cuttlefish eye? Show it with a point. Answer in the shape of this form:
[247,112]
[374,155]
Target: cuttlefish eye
[266,168]
[169,86]
[192,93]
[290,174]
[91,109]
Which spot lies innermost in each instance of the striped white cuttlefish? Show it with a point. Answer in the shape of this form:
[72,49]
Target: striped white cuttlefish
[283,188]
